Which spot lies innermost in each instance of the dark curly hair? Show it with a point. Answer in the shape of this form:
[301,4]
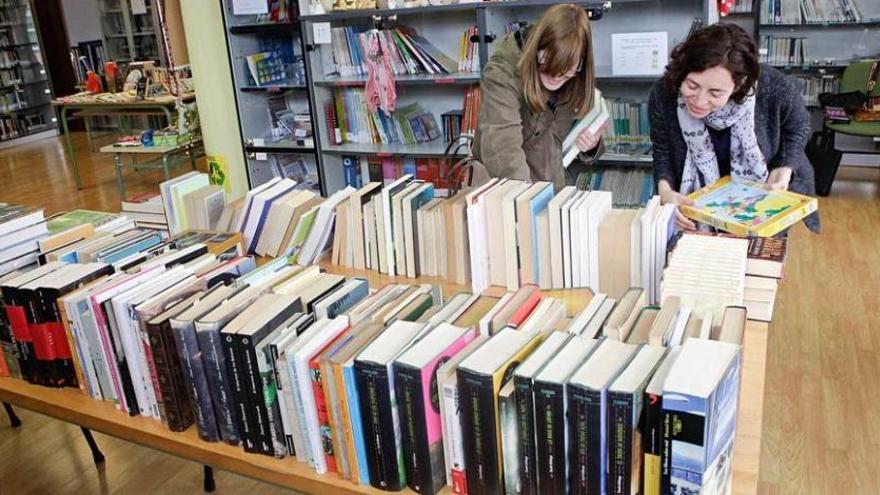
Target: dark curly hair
[725,45]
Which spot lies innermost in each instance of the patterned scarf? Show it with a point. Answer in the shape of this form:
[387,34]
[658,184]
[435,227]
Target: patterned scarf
[701,165]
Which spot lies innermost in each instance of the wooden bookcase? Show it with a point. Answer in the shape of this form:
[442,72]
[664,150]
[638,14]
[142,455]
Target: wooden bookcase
[75,407]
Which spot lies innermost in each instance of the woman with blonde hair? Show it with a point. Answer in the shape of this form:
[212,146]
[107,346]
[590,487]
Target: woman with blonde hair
[537,83]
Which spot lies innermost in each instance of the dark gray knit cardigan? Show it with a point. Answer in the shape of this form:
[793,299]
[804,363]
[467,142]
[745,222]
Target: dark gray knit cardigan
[782,128]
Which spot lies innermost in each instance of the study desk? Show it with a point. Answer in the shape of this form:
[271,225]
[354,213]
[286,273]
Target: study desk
[69,110]
[75,407]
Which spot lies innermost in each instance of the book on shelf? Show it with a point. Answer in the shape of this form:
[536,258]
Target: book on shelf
[469,51]
[267,68]
[809,12]
[747,208]
[353,122]
[783,51]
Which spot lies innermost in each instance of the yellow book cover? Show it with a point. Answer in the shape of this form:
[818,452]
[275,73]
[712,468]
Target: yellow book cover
[652,474]
[77,368]
[332,396]
[747,208]
[504,373]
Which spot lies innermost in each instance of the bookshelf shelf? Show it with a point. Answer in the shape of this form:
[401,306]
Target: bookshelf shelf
[428,79]
[436,9]
[279,147]
[433,148]
[275,88]
[818,25]
[634,160]
[71,405]
[264,27]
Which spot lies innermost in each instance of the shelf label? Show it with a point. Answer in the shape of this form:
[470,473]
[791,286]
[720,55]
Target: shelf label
[383,154]
[321,33]
[262,156]
[250,7]
[138,7]
[445,80]
[258,142]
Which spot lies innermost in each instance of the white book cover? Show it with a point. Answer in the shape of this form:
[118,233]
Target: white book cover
[565,217]
[508,229]
[386,236]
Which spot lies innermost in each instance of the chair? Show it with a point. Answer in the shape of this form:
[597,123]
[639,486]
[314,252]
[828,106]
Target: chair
[821,150]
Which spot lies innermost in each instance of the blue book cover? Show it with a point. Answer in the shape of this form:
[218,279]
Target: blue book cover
[137,247]
[536,205]
[702,431]
[346,302]
[409,166]
[354,408]
[265,214]
[349,167]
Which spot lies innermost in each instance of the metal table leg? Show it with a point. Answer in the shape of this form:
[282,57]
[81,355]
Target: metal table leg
[209,479]
[97,455]
[120,181]
[71,153]
[13,418]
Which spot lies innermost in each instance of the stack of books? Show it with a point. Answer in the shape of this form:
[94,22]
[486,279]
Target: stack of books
[147,211]
[764,270]
[21,229]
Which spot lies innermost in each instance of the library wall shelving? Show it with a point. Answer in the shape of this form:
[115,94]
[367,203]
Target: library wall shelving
[130,33]
[25,111]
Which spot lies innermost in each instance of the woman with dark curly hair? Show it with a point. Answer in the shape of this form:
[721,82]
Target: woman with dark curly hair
[718,112]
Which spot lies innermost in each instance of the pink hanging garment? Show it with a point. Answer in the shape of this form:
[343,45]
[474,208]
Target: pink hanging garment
[379,89]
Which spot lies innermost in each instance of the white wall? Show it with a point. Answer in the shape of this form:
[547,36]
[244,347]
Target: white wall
[81,18]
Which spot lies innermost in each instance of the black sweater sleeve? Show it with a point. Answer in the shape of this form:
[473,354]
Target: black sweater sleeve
[661,139]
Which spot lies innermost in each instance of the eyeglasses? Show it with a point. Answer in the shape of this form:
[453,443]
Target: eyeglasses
[542,62]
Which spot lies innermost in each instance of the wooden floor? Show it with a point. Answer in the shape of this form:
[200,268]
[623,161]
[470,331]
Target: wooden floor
[822,397]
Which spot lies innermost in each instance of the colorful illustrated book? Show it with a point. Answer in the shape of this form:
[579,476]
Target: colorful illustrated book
[747,208]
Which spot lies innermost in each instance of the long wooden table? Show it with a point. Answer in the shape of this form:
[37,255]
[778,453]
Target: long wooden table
[73,406]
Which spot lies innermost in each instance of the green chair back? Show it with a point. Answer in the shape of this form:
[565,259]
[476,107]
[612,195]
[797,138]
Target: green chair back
[855,78]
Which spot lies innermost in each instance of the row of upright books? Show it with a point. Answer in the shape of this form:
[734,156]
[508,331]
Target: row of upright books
[782,50]
[396,387]
[630,131]
[812,86]
[809,11]
[406,51]
[631,187]
[361,170]
[349,120]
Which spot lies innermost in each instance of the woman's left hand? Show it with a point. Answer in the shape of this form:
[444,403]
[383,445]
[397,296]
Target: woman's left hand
[779,178]
[586,140]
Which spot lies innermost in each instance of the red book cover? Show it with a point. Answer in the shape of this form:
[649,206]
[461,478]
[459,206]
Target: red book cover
[4,368]
[323,415]
[520,315]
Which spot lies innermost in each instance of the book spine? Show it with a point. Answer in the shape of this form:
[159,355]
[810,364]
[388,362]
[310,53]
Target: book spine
[253,389]
[334,394]
[358,442]
[239,394]
[786,221]
[285,400]
[324,429]
[550,428]
[153,376]
[620,453]
[378,423]
[585,454]
[653,443]
[477,400]
[413,426]
[342,425]
[179,400]
[197,384]
[211,344]
[71,344]
[174,416]
[271,403]
[525,412]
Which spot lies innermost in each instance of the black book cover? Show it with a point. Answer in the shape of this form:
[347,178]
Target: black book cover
[172,386]
[267,424]
[424,474]
[7,341]
[377,414]
[124,374]
[584,430]
[620,445]
[525,413]
[550,428]
[46,371]
[653,426]
[197,384]
[21,331]
[243,413]
[678,426]
[477,400]
[311,305]
[219,379]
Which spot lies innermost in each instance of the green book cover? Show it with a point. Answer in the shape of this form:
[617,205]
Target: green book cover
[301,233]
[76,218]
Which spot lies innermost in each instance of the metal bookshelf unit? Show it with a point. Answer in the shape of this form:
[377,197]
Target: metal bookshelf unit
[25,94]
[274,113]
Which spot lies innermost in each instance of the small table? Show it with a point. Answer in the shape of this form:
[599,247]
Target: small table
[151,106]
[169,156]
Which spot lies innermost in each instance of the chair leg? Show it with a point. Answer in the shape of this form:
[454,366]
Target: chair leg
[209,479]
[96,452]
[13,418]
